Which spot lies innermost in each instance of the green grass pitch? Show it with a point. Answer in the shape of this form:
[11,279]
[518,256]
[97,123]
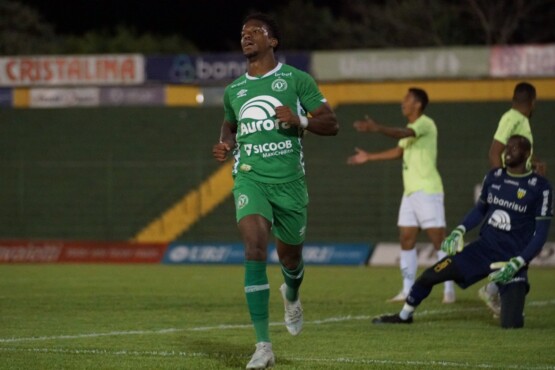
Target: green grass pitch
[195,317]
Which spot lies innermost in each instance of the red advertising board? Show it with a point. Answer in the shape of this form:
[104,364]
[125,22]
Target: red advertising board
[80,252]
[523,61]
[72,70]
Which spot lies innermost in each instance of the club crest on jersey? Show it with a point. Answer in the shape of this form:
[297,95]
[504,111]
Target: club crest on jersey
[279,85]
[520,193]
[242,201]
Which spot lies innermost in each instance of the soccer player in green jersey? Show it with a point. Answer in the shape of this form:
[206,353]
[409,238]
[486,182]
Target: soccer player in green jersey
[514,122]
[422,201]
[264,121]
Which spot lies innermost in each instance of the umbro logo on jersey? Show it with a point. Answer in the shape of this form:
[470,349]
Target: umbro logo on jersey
[242,93]
[512,182]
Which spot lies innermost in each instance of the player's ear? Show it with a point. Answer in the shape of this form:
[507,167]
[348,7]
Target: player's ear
[274,42]
[419,106]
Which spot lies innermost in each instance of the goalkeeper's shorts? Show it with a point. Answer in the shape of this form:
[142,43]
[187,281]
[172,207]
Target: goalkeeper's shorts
[473,263]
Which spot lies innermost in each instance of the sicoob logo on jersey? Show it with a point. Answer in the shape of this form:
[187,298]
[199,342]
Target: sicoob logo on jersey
[258,115]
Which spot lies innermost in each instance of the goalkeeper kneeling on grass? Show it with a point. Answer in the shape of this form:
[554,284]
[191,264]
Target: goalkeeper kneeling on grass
[516,207]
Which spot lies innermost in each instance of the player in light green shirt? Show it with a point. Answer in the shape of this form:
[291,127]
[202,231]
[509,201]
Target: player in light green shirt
[422,202]
[264,121]
[420,158]
[514,122]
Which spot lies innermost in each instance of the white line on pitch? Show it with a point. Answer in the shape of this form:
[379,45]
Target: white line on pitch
[240,326]
[340,360]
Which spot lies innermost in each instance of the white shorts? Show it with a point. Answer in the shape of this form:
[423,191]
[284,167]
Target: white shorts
[422,210]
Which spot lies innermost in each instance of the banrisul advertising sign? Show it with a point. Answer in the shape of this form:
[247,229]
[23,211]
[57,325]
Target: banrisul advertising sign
[209,68]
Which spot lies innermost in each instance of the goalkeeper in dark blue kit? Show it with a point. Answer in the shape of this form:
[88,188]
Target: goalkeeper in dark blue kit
[516,206]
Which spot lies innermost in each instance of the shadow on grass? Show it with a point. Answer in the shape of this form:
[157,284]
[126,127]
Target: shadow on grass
[230,355]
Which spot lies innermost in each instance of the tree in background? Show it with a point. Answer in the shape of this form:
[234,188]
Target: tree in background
[305,24]
[359,24]
[23,31]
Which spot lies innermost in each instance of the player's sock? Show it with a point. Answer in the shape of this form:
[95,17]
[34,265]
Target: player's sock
[449,286]
[409,265]
[293,280]
[406,312]
[257,291]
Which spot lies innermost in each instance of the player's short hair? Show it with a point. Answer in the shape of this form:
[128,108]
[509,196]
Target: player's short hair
[523,142]
[420,96]
[524,93]
[273,28]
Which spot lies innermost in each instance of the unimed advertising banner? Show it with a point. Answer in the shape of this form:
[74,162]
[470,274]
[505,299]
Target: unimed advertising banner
[400,64]
[72,70]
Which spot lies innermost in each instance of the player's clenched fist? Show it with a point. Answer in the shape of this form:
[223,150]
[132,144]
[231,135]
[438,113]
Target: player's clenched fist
[285,114]
[220,150]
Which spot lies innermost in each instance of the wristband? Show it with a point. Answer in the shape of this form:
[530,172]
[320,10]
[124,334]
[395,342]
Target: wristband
[303,121]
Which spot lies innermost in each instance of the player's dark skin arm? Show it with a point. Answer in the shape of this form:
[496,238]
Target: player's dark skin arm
[323,121]
[369,125]
[227,141]
[495,151]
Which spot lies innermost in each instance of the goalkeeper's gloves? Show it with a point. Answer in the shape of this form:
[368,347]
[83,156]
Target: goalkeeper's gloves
[454,242]
[508,271]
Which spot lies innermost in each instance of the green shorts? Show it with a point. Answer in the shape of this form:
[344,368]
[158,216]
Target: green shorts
[284,205]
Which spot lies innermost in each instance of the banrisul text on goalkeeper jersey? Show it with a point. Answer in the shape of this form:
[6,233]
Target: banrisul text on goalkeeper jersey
[268,150]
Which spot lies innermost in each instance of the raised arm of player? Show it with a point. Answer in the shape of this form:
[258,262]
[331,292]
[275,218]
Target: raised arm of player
[370,125]
[323,121]
[362,156]
[227,141]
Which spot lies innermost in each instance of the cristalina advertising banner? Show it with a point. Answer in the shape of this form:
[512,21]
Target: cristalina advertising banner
[80,252]
[72,70]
